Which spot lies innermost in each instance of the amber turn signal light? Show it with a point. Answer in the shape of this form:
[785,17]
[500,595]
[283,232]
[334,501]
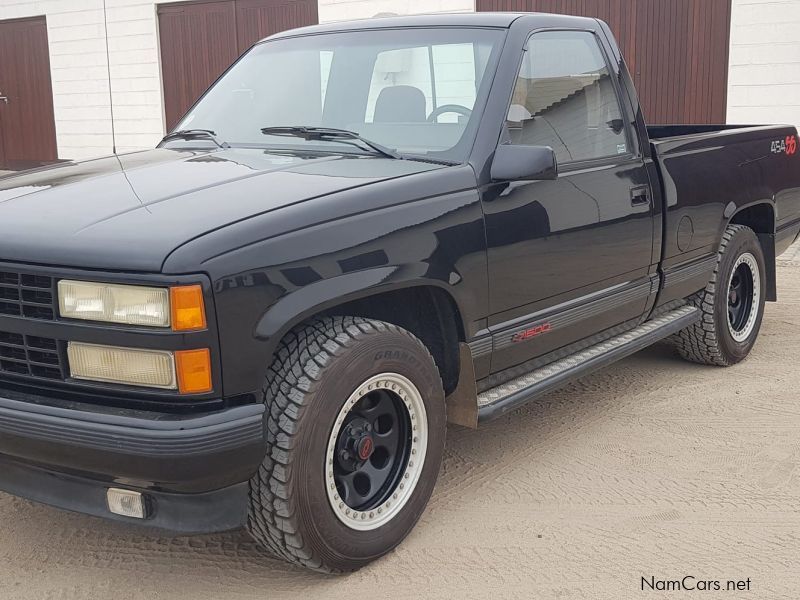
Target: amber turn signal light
[194,371]
[188,310]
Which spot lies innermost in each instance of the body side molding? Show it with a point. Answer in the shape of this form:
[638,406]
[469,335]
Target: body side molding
[568,313]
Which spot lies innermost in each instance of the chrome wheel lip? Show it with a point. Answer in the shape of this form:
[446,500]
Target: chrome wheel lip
[407,481]
[744,332]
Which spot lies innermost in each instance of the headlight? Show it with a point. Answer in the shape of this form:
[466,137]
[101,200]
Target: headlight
[127,304]
[188,371]
[181,306]
[130,366]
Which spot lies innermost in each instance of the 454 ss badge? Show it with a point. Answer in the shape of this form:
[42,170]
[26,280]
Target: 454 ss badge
[786,146]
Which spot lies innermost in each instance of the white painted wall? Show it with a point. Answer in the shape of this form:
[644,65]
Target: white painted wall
[764,76]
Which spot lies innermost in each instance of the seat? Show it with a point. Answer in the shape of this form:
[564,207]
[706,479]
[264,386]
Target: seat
[400,104]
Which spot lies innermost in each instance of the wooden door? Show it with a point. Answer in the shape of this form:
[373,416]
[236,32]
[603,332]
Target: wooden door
[199,40]
[27,125]
[2,150]
[676,50]
[257,19]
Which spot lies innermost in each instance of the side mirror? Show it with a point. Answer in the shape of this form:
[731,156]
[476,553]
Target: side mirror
[529,163]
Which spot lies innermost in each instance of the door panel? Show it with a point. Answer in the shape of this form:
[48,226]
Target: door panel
[555,245]
[571,257]
[27,125]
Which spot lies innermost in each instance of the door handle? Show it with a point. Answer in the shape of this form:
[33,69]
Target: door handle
[4,99]
[640,196]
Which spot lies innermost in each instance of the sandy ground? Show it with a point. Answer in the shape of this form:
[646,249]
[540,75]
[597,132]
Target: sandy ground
[653,467]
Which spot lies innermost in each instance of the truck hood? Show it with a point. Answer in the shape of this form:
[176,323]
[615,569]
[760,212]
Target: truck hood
[129,212]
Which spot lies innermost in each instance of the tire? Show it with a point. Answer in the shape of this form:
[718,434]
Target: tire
[718,338]
[328,377]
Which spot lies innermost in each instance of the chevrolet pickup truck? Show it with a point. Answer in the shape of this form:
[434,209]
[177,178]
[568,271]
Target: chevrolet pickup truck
[361,232]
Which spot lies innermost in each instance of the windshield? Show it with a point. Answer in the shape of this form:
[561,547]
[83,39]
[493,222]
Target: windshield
[410,90]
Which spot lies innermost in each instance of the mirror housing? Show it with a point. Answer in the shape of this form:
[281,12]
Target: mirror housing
[526,163]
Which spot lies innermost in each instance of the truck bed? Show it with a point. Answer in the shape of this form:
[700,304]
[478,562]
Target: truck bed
[710,172]
[660,132]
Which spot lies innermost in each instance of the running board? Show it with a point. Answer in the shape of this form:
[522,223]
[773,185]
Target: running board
[499,400]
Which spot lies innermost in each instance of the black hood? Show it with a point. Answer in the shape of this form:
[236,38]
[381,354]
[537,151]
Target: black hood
[129,212]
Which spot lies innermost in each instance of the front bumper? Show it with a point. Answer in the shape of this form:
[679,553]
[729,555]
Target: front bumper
[208,512]
[193,470]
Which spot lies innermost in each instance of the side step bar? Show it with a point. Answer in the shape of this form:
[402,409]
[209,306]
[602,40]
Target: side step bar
[497,401]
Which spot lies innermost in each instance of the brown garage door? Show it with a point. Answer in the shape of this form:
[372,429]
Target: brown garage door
[199,40]
[27,126]
[677,50]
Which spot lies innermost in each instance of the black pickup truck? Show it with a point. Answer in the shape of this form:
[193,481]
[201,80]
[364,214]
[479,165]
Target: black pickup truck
[360,232]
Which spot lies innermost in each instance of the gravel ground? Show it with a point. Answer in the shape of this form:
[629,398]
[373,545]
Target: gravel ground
[653,467]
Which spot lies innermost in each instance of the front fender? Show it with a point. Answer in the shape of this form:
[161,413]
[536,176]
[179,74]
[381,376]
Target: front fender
[322,295]
[264,288]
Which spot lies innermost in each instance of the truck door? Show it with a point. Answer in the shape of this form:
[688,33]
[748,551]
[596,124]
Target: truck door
[572,257]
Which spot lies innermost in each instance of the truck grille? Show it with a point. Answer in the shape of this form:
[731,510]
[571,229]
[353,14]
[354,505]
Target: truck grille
[25,295]
[30,355]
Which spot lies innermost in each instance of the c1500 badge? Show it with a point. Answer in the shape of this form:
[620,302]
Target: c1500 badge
[786,146]
[532,332]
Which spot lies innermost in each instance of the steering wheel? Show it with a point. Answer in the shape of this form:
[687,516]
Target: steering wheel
[448,108]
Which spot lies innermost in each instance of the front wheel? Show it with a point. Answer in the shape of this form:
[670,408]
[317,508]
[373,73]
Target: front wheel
[355,442]
[732,303]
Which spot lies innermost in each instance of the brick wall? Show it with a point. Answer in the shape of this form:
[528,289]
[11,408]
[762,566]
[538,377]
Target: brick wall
[764,76]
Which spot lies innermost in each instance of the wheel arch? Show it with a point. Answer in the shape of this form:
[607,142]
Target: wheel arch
[424,307]
[760,217]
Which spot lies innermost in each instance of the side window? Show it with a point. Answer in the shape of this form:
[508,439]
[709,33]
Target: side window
[565,98]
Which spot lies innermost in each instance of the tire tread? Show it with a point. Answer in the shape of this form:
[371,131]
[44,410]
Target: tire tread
[699,343]
[303,355]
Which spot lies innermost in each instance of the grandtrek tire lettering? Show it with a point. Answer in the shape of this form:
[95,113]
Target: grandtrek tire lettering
[396,355]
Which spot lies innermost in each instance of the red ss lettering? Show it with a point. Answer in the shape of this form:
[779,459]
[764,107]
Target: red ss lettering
[791,144]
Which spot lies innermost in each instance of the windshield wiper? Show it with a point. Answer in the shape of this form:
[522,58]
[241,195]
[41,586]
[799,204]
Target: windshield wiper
[325,134]
[193,134]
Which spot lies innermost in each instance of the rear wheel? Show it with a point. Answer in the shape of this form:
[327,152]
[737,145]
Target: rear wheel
[732,303]
[355,441]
